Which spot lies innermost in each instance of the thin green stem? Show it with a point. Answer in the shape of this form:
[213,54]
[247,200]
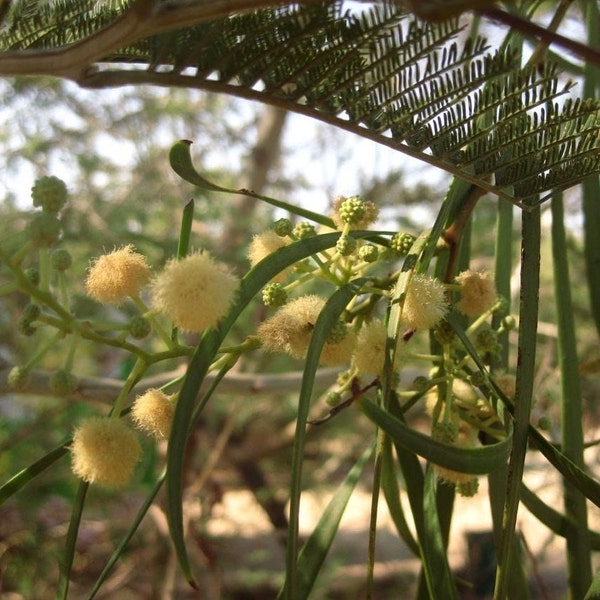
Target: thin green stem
[578,539]
[530,263]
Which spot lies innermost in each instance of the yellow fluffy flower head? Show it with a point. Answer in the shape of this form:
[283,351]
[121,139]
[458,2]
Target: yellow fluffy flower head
[425,302]
[290,329]
[115,276]
[369,353]
[264,244]
[152,412]
[104,451]
[195,292]
[478,292]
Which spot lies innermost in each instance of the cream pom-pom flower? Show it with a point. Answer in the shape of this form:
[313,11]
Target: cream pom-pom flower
[104,451]
[195,291]
[478,292]
[115,276]
[425,302]
[290,329]
[152,412]
[262,245]
[369,353]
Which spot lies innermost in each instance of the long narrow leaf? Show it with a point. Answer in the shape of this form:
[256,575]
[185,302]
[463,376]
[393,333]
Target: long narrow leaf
[329,315]
[578,543]
[528,312]
[391,492]
[552,519]
[477,461]
[120,549]
[66,563]
[180,159]
[314,551]
[442,585]
[23,477]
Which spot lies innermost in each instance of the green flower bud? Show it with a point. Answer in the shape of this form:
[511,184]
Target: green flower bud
[501,305]
[24,326]
[44,229]
[486,340]
[50,193]
[139,327]
[352,210]
[282,227]
[444,333]
[18,378]
[445,432]
[509,323]
[32,275]
[478,379]
[333,398]
[337,333]
[274,294]
[346,245]
[402,242]
[31,312]
[63,383]
[61,259]
[420,383]
[468,488]
[369,253]
[304,230]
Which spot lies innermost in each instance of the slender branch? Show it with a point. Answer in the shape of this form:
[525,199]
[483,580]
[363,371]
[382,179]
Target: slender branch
[547,36]
[105,390]
[71,61]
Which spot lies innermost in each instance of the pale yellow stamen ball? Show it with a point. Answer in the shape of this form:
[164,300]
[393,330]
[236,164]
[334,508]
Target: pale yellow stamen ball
[104,451]
[478,292]
[152,412]
[114,277]
[333,355]
[369,353]
[425,302]
[195,292]
[264,244]
[290,329]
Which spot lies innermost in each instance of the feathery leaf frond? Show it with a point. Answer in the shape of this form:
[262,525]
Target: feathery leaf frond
[419,87]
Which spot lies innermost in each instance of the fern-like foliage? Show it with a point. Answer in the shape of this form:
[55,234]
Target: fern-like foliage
[422,88]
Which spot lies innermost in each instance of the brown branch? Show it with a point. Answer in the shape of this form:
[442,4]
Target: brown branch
[548,37]
[105,390]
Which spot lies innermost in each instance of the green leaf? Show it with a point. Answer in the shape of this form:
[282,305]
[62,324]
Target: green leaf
[391,492]
[119,551]
[593,592]
[66,563]
[328,317]
[314,551]
[441,585]
[180,159]
[476,461]
[23,477]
